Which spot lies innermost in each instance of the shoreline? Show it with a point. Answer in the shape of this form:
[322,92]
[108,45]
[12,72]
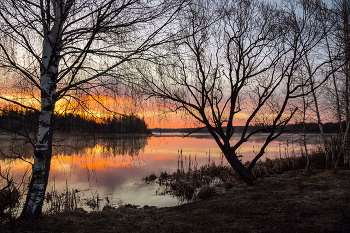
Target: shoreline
[295,201]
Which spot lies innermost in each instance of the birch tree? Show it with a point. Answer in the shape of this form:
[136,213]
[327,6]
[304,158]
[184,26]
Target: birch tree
[343,13]
[337,45]
[59,47]
[314,25]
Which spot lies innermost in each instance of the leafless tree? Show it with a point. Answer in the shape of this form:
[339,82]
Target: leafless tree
[314,25]
[60,47]
[337,45]
[306,104]
[342,15]
[245,61]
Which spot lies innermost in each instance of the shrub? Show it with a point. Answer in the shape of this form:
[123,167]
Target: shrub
[9,199]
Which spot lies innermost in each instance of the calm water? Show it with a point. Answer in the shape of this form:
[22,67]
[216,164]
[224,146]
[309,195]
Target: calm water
[114,168]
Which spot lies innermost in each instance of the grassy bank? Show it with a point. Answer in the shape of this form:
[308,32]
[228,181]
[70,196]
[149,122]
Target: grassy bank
[294,201]
[192,183]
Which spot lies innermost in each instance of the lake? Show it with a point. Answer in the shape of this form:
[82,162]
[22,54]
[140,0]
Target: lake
[113,168]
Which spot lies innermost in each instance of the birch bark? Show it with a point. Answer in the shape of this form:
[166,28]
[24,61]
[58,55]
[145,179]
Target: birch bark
[319,121]
[52,45]
[347,77]
[320,125]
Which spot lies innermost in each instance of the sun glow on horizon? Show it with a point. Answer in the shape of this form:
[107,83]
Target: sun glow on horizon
[99,108]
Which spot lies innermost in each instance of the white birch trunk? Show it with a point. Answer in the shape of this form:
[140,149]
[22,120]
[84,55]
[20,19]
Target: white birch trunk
[43,149]
[304,133]
[43,152]
[347,78]
[321,127]
[318,113]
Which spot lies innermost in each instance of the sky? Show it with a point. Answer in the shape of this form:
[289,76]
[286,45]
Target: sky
[155,116]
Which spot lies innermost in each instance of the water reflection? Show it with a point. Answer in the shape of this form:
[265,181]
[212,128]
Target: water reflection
[130,145]
[114,167]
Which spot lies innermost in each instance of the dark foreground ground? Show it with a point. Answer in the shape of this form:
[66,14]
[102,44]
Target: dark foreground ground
[314,201]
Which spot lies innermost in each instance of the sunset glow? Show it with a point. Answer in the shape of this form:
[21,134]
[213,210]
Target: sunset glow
[102,107]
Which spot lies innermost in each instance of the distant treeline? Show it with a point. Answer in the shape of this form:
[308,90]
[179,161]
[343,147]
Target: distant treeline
[329,127]
[19,121]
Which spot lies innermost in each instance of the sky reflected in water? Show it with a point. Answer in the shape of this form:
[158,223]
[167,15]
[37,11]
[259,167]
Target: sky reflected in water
[114,168]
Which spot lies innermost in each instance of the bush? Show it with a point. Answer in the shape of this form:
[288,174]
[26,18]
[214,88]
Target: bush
[9,199]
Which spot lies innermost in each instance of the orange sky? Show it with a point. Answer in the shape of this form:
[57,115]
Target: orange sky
[155,116]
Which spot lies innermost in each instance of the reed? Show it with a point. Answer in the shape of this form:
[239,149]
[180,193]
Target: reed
[70,199]
[57,202]
[190,183]
[94,202]
[150,178]
[186,182]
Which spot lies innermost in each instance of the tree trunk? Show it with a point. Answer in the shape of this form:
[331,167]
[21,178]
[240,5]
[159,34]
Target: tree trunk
[43,152]
[304,143]
[43,149]
[305,106]
[40,174]
[237,165]
[321,128]
[347,76]
[231,156]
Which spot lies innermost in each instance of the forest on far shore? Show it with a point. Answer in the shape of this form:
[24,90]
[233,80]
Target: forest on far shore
[18,121]
[328,128]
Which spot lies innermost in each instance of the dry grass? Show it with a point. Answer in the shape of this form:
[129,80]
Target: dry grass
[295,201]
[185,184]
[58,202]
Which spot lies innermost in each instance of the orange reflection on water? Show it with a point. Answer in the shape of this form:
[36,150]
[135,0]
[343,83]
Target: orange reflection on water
[112,167]
[163,158]
[15,165]
[98,157]
[157,153]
